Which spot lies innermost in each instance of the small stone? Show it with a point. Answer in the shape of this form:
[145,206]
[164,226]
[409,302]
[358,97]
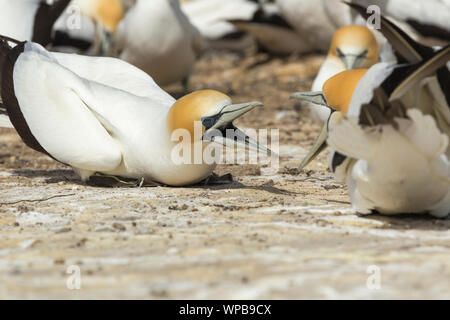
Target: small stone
[119,226]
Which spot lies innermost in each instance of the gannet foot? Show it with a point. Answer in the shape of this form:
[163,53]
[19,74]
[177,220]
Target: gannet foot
[215,179]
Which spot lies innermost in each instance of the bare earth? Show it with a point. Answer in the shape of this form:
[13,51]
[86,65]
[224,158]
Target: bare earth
[263,236]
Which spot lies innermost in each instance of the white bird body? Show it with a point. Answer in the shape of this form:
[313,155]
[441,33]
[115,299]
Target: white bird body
[396,171]
[416,16]
[157,37]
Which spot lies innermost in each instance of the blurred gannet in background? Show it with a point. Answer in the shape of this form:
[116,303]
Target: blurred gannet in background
[30,20]
[390,129]
[211,17]
[157,37]
[104,115]
[352,47]
[312,21]
[271,31]
[88,25]
[425,21]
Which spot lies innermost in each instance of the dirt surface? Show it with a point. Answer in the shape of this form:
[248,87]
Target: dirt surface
[265,235]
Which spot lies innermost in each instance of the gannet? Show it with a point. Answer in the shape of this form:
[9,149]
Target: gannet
[390,129]
[351,47]
[104,115]
[30,19]
[88,25]
[157,37]
[312,21]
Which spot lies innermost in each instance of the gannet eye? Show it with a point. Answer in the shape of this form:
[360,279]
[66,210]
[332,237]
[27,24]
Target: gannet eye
[208,122]
[363,54]
[340,53]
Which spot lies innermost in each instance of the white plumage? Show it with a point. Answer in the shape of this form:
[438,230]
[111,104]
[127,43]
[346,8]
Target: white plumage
[17,18]
[157,37]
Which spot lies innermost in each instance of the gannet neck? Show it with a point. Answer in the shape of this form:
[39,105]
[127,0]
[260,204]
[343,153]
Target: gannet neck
[338,90]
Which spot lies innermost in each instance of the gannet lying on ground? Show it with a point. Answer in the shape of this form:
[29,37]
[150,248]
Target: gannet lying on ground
[30,20]
[352,47]
[390,129]
[157,37]
[104,115]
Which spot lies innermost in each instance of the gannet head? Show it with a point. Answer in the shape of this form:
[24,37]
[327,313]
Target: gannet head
[355,46]
[214,114]
[336,94]
[106,13]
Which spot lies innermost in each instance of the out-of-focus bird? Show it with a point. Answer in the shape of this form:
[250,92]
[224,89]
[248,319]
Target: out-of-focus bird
[390,129]
[157,37]
[30,20]
[312,20]
[425,21]
[271,31]
[352,47]
[87,26]
[211,17]
[104,115]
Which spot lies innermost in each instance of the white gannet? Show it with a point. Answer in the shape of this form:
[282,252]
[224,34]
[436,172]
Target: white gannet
[30,20]
[390,129]
[87,26]
[352,47]
[157,37]
[104,115]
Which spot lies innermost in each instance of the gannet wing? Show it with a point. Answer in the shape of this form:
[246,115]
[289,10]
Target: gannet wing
[114,73]
[49,107]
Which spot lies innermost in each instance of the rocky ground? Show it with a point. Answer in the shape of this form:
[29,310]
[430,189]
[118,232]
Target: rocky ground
[266,234]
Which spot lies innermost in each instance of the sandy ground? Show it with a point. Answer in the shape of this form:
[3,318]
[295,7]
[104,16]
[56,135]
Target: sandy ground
[264,235]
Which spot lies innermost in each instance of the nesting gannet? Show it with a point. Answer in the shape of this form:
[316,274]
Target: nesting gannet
[390,129]
[352,47]
[88,26]
[157,37]
[30,20]
[104,115]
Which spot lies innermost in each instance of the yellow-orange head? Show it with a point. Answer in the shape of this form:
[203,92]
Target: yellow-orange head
[357,45]
[339,89]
